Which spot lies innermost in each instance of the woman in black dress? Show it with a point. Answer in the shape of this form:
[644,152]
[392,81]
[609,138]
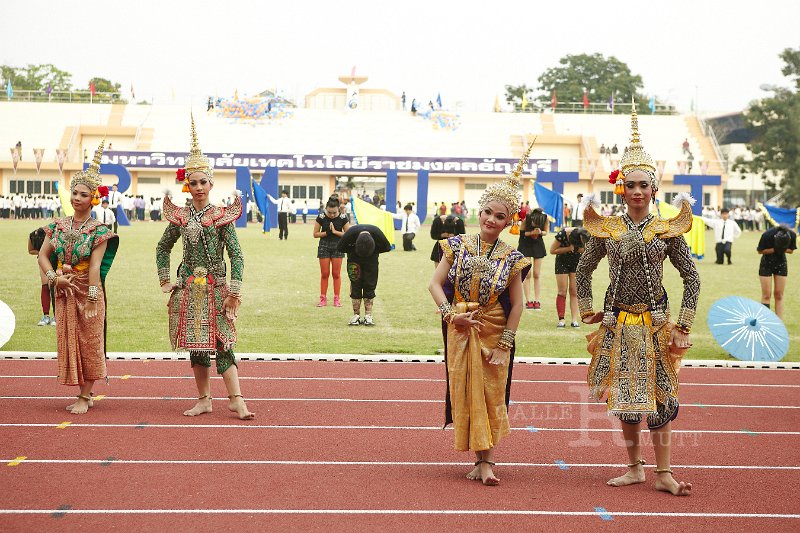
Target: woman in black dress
[531,244]
[329,227]
[567,247]
[444,227]
[775,243]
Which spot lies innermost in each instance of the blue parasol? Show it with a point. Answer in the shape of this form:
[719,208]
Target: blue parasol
[748,330]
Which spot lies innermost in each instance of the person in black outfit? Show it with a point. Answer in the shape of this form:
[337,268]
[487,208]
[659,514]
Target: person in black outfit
[363,243]
[531,245]
[775,243]
[443,227]
[329,227]
[567,247]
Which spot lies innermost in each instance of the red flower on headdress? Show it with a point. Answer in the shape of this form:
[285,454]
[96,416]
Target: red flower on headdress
[612,178]
[180,174]
[103,190]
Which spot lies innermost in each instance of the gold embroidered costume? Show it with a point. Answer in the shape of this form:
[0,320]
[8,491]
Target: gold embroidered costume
[631,360]
[478,280]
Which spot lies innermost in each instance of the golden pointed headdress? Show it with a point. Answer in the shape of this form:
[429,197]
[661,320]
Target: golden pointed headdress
[507,192]
[91,176]
[634,157]
[197,161]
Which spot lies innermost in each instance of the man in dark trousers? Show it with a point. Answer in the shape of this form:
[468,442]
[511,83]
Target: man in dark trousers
[363,243]
[409,226]
[725,232]
[284,207]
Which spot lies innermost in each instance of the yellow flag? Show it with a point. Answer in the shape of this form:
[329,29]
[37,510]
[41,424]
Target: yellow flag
[65,195]
[497,103]
[369,214]
[524,101]
[696,237]
[236,94]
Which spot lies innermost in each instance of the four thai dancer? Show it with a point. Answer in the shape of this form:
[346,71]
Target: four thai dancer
[637,350]
[478,288]
[202,306]
[76,255]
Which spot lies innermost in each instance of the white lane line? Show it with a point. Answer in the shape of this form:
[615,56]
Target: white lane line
[380,463]
[531,429]
[381,400]
[424,380]
[464,512]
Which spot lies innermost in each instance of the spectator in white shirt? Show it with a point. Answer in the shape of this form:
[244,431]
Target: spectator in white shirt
[409,226]
[577,216]
[284,208]
[114,199]
[725,232]
[103,214]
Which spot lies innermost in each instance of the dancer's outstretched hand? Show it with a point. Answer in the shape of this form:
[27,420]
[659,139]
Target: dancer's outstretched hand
[463,321]
[64,282]
[231,306]
[680,339]
[500,356]
[594,319]
[168,288]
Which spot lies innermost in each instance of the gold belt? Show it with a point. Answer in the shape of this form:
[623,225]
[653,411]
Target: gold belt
[466,307]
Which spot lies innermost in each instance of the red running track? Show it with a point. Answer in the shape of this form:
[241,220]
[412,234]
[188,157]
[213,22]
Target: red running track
[338,446]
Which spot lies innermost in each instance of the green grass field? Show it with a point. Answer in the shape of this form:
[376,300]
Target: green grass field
[281,287]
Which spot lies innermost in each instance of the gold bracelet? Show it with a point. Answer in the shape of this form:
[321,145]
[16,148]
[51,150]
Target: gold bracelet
[51,277]
[93,293]
[447,311]
[683,329]
[507,339]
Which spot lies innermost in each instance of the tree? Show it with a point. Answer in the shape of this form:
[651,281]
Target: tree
[599,75]
[775,125]
[103,85]
[514,95]
[37,77]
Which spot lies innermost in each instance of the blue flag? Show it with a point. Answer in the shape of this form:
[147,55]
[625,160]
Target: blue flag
[780,215]
[552,203]
[9,90]
[611,102]
[652,104]
[262,202]
[439,100]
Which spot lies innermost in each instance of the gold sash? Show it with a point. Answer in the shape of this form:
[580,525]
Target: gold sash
[477,388]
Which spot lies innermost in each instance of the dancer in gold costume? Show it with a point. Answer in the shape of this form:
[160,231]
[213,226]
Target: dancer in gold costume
[637,350]
[76,255]
[478,288]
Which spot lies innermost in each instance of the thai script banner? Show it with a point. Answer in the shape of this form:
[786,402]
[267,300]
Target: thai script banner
[335,164]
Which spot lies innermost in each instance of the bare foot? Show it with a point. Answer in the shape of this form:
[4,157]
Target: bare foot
[71,406]
[475,473]
[634,475]
[80,407]
[238,406]
[487,476]
[665,482]
[201,407]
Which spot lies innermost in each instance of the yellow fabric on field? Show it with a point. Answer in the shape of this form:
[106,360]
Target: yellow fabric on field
[64,194]
[696,237]
[366,213]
